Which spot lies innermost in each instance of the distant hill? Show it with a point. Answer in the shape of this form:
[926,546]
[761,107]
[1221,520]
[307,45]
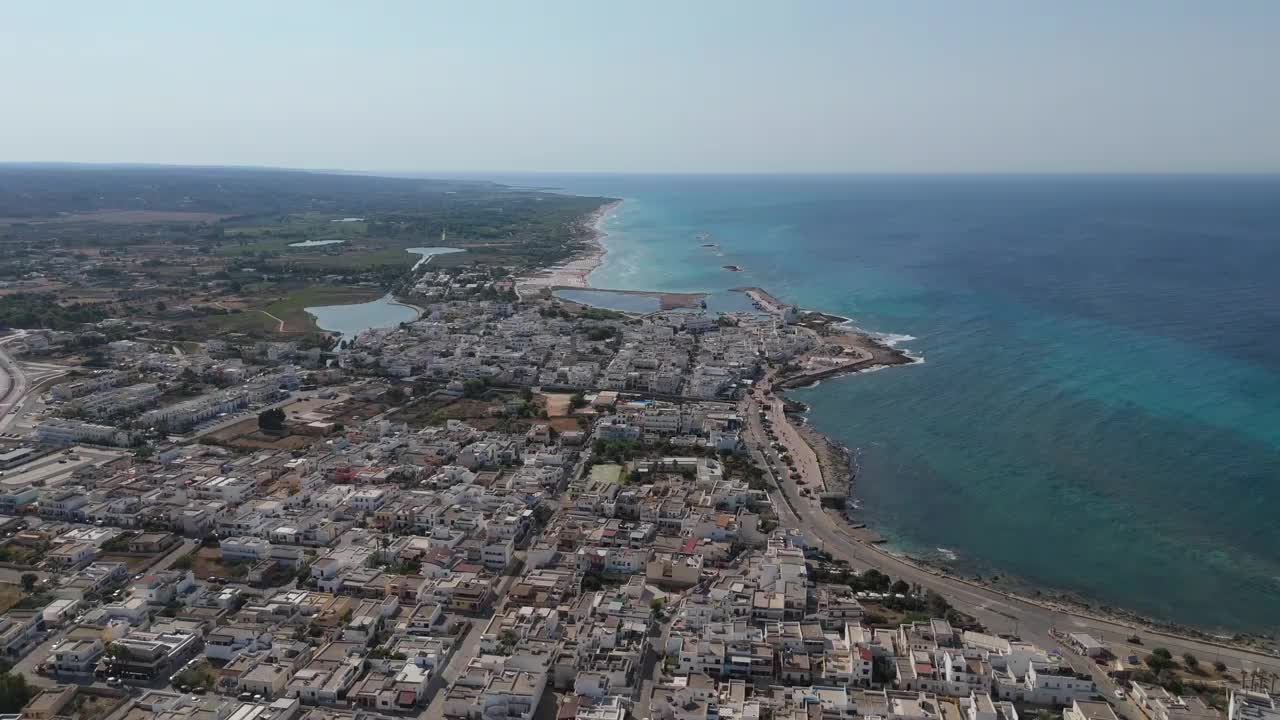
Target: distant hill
[46,191]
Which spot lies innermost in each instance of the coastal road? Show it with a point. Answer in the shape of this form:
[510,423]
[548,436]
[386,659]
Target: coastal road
[999,611]
[13,385]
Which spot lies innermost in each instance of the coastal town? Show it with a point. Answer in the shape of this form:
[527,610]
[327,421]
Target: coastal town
[515,507]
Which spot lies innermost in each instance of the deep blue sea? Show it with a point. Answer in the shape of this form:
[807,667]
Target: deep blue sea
[1099,406]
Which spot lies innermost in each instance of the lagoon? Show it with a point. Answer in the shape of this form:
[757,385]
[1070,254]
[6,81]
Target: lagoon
[351,320]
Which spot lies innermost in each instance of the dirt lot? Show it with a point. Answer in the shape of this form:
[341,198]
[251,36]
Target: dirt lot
[245,434]
[208,563]
[136,563]
[435,413]
[563,424]
[10,595]
[558,404]
[353,411]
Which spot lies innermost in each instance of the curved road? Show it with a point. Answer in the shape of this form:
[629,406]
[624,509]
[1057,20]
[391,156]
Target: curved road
[13,385]
[999,611]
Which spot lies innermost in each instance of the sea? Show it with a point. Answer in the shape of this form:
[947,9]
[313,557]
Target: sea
[1097,410]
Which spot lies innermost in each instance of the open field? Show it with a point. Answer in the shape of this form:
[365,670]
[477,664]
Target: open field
[291,308]
[135,562]
[120,217]
[253,312]
[208,563]
[557,404]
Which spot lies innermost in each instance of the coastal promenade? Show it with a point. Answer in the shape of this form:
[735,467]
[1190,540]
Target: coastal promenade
[1001,612]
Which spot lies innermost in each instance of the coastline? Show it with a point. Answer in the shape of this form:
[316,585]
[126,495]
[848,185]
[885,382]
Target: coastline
[405,303]
[863,351]
[573,272]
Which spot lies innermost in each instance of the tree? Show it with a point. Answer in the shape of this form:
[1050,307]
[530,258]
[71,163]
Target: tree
[656,606]
[1191,661]
[29,582]
[1159,659]
[14,692]
[900,587]
[1220,666]
[271,420]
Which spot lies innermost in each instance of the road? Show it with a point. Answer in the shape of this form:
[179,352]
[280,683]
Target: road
[18,386]
[187,546]
[468,649]
[651,667]
[13,384]
[999,611]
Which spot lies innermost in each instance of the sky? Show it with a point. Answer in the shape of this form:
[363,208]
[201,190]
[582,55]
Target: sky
[647,86]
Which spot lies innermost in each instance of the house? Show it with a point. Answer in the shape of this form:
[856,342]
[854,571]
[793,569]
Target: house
[265,679]
[77,656]
[152,542]
[674,570]
[17,629]
[147,655]
[50,703]
[1246,705]
[72,555]
[164,587]
[1086,645]
[1088,710]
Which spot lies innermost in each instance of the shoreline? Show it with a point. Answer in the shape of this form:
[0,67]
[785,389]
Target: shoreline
[840,461]
[870,352]
[405,303]
[573,273]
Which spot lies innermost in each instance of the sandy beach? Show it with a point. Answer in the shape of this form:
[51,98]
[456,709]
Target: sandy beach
[574,271]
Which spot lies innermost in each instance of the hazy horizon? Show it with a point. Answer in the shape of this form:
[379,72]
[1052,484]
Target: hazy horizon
[993,87]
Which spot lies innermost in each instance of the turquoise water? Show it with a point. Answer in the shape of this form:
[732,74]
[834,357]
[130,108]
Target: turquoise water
[1098,409]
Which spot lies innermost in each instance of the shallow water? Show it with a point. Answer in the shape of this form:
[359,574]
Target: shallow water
[1099,410]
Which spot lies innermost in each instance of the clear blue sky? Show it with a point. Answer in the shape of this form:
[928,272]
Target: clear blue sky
[648,85]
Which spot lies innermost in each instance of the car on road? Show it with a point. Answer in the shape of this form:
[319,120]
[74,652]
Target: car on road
[1120,694]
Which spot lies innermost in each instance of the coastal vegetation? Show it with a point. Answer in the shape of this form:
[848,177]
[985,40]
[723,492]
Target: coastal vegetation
[206,252]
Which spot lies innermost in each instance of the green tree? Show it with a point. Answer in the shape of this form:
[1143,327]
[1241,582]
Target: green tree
[656,607]
[1159,660]
[271,420]
[1191,661]
[29,582]
[15,693]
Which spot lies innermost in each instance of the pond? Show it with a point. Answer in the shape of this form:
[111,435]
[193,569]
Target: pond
[351,320]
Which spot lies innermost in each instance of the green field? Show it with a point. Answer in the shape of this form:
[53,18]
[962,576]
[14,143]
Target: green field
[291,308]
